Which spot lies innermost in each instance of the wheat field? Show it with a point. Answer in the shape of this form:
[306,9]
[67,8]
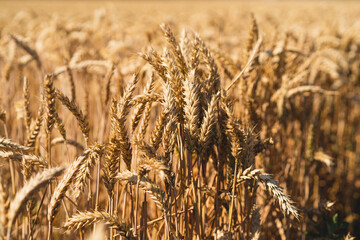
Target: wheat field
[179,120]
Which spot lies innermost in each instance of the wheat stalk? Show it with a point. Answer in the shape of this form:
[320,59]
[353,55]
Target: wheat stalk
[148,186]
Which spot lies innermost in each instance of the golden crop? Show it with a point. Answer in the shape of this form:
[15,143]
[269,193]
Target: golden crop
[179,120]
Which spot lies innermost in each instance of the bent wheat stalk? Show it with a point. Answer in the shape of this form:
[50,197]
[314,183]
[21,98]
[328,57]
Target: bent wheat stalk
[87,218]
[27,191]
[63,186]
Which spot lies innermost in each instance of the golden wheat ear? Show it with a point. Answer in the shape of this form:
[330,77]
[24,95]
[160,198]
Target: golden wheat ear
[285,203]
[8,145]
[83,219]
[76,111]
[35,129]
[64,184]
[4,207]
[23,195]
